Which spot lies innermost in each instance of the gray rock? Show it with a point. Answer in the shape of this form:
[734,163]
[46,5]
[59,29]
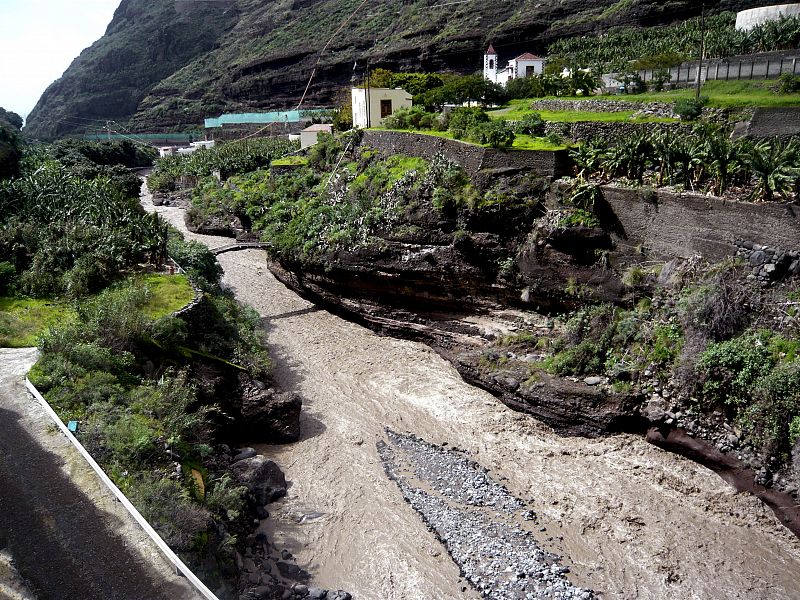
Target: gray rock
[317,593]
[286,555]
[655,410]
[593,380]
[262,477]
[244,453]
[264,591]
[300,589]
[757,258]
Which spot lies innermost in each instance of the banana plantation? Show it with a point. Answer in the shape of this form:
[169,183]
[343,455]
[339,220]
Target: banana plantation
[656,47]
[707,161]
[65,235]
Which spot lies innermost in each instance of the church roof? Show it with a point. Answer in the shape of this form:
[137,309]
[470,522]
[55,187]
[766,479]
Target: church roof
[527,56]
[491,50]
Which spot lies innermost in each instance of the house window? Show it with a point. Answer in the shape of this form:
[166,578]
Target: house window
[530,71]
[491,63]
[386,108]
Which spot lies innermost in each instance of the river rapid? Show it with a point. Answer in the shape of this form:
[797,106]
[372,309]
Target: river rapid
[629,520]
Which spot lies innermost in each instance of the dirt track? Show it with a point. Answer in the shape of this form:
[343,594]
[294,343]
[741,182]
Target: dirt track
[631,521]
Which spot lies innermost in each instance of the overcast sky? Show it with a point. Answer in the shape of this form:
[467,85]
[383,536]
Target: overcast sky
[39,40]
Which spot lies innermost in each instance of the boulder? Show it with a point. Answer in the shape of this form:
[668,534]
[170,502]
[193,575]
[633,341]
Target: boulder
[268,415]
[262,477]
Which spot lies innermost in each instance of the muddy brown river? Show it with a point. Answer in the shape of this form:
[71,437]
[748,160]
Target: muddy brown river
[630,520]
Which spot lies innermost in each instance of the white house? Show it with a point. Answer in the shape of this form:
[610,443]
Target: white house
[525,65]
[203,145]
[310,135]
[382,103]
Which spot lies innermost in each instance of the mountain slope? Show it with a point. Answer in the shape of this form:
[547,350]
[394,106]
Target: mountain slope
[167,65]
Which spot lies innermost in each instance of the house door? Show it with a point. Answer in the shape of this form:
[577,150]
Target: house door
[386,108]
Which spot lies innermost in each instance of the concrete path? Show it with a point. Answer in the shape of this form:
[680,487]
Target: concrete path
[62,533]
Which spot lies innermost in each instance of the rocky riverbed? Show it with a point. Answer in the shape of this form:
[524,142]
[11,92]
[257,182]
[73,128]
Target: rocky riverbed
[628,520]
[488,532]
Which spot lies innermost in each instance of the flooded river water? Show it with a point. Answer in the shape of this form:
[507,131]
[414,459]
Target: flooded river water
[629,520]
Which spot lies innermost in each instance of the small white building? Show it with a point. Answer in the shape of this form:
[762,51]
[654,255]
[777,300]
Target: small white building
[166,151]
[310,135]
[382,103]
[204,145]
[525,65]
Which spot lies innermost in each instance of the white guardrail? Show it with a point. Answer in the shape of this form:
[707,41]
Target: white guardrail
[165,550]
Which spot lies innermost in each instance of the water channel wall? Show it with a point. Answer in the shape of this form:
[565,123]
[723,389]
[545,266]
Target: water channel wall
[669,224]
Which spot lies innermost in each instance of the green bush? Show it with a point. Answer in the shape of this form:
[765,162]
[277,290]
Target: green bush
[415,117]
[531,124]
[789,84]
[465,118]
[690,109]
[728,371]
[196,259]
[496,134]
[775,406]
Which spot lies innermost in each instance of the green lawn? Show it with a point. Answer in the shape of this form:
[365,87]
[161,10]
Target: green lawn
[24,320]
[290,161]
[168,293]
[721,94]
[519,109]
[521,142]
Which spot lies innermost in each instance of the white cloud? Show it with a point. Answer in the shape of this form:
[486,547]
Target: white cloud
[39,41]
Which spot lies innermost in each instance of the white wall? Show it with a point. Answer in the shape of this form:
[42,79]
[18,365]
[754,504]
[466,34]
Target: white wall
[399,99]
[747,19]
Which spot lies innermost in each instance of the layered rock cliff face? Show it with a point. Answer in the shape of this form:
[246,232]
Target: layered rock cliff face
[166,65]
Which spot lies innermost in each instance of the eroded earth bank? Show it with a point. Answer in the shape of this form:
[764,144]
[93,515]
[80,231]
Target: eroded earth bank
[627,519]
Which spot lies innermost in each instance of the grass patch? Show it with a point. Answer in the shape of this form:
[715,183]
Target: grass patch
[168,293]
[521,142]
[721,94]
[290,161]
[24,320]
[519,109]
[529,142]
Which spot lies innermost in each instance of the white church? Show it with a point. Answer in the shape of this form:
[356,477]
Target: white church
[525,65]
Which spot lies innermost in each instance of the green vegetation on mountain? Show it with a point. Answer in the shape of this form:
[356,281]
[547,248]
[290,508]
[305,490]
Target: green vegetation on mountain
[165,66]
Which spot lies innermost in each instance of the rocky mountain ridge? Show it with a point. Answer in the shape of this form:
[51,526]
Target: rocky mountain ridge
[165,66]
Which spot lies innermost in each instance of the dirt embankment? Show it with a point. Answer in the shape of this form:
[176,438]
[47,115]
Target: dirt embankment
[631,520]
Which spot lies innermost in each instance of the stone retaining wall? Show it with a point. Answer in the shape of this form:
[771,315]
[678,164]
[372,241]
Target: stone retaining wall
[667,224]
[611,132]
[471,157]
[768,264]
[600,105]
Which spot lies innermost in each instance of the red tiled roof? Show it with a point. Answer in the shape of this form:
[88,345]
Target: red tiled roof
[527,56]
[491,50]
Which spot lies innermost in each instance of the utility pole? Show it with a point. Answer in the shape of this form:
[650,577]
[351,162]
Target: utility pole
[369,108]
[698,82]
[108,130]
